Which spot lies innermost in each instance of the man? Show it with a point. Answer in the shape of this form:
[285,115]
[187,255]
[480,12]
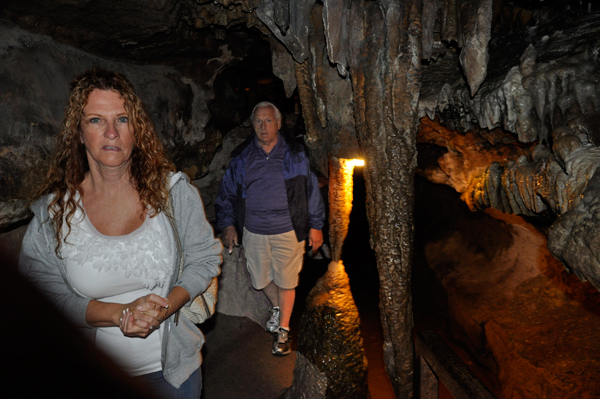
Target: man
[270,196]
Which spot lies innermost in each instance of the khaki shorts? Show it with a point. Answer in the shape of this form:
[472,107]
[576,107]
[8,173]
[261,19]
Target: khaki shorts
[276,258]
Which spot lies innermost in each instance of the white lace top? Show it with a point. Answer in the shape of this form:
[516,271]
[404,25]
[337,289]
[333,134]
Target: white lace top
[121,269]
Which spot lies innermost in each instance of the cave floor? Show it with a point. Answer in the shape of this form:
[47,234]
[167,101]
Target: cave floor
[543,340]
[489,286]
[237,359]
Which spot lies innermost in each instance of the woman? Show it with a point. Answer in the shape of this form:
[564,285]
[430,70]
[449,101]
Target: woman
[100,244]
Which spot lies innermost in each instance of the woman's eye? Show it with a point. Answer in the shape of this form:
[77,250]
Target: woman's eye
[94,120]
[123,119]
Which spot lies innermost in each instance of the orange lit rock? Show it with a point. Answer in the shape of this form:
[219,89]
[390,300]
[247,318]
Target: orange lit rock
[331,340]
[340,203]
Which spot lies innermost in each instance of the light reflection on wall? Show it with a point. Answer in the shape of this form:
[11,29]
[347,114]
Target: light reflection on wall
[341,187]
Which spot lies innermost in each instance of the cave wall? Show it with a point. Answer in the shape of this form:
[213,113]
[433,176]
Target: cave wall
[358,74]
[525,144]
[543,91]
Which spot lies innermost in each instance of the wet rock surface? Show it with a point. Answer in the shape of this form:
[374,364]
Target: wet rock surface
[309,382]
[330,338]
[524,324]
[340,203]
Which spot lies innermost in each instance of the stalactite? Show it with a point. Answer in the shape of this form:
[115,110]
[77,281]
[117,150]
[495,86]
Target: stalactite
[283,66]
[314,131]
[335,20]
[296,37]
[475,23]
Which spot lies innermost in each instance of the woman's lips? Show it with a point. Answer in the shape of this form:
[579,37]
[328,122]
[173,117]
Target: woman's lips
[111,148]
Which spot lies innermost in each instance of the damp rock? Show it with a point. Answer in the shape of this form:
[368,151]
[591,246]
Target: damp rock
[309,382]
[236,297]
[330,338]
[575,237]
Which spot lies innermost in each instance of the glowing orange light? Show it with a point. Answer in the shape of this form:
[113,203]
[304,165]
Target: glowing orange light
[340,201]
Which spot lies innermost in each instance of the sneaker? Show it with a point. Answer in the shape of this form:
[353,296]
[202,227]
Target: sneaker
[281,342]
[273,323]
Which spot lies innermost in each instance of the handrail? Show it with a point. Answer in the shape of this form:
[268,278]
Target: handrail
[438,362]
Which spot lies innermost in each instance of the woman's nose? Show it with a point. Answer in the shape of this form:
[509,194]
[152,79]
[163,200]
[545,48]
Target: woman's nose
[111,131]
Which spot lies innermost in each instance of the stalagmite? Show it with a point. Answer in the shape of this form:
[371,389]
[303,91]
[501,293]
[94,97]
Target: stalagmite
[340,203]
[331,341]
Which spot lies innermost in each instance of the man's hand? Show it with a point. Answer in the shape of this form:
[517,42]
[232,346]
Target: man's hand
[315,239]
[230,238]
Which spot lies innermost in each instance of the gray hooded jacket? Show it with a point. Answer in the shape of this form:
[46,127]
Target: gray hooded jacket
[181,343]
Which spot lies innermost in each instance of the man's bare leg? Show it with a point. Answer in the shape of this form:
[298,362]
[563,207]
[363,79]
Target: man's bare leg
[272,292]
[286,305]
[284,299]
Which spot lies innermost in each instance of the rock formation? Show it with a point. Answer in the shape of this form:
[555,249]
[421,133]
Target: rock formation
[548,95]
[330,341]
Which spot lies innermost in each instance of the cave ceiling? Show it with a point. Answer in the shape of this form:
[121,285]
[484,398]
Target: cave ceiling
[185,34]
[193,32]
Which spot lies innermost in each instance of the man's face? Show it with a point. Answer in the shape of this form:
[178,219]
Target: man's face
[266,126]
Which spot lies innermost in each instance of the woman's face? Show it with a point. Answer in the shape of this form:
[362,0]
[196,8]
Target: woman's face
[105,131]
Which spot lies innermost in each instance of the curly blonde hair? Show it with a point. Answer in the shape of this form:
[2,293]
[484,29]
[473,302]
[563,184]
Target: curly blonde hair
[149,168]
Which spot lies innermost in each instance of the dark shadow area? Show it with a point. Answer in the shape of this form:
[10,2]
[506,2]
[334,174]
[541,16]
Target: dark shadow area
[361,266]
[439,212]
[44,356]
[243,85]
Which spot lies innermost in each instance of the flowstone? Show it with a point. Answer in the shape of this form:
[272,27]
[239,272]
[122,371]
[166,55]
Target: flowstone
[331,340]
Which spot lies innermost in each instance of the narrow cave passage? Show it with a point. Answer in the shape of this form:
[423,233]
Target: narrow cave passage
[360,265]
[229,109]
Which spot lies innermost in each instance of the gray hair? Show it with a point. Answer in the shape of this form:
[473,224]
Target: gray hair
[265,104]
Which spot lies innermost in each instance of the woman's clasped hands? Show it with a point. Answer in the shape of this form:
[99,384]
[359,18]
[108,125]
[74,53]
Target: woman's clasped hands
[144,315]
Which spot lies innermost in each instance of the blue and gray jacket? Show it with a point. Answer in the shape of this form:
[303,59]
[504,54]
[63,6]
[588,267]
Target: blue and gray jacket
[304,198]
